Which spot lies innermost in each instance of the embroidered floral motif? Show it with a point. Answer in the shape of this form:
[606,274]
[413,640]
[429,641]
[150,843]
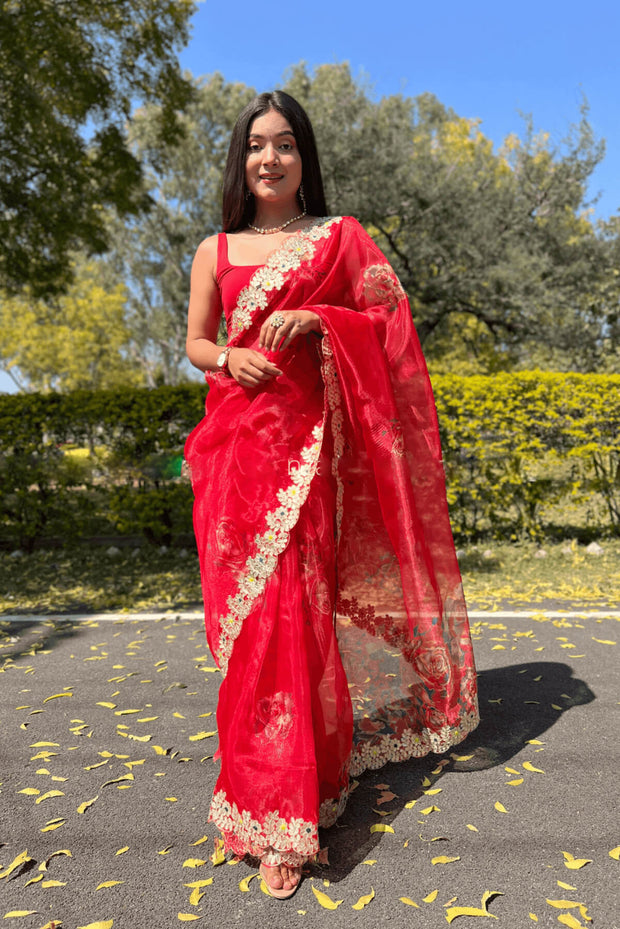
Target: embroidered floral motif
[274,717]
[300,247]
[276,840]
[294,836]
[381,285]
[411,744]
[334,401]
[260,566]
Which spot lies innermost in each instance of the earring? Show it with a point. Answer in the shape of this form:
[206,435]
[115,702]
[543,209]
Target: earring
[300,193]
[248,194]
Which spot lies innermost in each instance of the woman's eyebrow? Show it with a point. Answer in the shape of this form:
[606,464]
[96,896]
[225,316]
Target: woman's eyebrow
[258,135]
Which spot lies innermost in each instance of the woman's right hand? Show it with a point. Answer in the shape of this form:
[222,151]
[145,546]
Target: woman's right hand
[250,368]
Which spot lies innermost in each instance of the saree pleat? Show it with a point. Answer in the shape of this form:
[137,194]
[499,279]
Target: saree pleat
[333,601]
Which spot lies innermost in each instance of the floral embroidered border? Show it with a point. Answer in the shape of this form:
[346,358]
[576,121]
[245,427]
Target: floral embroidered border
[276,839]
[260,566]
[333,400]
[412,744]
[298,248]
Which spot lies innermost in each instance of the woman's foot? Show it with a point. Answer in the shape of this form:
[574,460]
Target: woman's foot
[281,880]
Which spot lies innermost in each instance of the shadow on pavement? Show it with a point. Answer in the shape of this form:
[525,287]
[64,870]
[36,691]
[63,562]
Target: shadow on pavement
[31,636]
[517,703]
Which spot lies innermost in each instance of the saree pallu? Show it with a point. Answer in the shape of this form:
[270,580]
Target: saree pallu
[333,599]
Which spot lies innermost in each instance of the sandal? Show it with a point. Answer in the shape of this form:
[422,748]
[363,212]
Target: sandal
[278,892]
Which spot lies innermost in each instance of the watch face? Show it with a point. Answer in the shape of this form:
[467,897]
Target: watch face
[221,361]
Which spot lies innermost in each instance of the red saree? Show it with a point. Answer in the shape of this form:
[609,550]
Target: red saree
[333,599]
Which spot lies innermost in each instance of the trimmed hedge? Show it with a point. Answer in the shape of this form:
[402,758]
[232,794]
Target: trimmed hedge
[527,454]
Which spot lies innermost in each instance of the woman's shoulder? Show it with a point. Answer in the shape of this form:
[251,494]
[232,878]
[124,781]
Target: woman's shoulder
[205,258]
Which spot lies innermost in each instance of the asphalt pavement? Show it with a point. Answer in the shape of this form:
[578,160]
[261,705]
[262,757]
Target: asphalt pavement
[107,737]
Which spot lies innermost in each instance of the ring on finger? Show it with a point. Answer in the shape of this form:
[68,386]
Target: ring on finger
[277,320]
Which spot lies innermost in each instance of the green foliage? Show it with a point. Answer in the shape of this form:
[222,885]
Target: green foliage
[519,447]
[127,483]
[526,455]
[75,341]
[72,68]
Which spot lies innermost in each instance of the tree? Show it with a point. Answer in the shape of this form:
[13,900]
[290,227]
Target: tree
[495,249]
[153,253]
[71,73]
[77,340]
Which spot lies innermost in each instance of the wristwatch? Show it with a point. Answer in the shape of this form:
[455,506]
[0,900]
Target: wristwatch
[222,360]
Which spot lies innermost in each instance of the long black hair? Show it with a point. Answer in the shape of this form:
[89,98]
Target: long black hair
[237,209]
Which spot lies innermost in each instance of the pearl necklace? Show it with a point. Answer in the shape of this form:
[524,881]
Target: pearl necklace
[262,230]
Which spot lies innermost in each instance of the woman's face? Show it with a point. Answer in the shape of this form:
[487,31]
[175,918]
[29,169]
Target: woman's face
[273,163]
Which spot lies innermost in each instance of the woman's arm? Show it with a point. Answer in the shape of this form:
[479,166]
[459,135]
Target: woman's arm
[205,308]
[248,367]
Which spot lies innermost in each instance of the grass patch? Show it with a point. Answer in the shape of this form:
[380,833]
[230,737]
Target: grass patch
[89,579]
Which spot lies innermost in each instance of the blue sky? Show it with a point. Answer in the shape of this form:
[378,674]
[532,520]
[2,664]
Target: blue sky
[487,60]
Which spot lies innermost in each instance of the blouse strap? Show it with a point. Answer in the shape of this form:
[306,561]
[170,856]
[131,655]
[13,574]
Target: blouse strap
[222,253]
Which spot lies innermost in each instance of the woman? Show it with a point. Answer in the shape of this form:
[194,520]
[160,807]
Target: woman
[333,601]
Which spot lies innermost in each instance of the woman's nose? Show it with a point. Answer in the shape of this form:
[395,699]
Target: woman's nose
[270,154]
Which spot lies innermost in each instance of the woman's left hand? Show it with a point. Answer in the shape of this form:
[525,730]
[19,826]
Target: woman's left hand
[296,322]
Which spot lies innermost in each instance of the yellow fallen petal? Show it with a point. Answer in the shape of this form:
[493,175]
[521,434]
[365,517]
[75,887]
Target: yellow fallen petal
[381,827]
[186,917]
[34,880]
[54,884]
[500,807]
[204,883]
[196,896]
[534,742]
[600,641]
[363,901]
[108,884]
[118,780]
[45,745]
[409,902]
[18,913]
[564,904]
[171,799]
[29,791]
[530,767]
[109,706]
[515,782]
[200,841]
[100,925]
[431,793]
[160,751]
[48,795]
[244,885]
[571,921]
[52,826]
[533,917]
[84,806]
[202,735]
[444,859]
[511,771]
[410,804]
[326,902]
[55,696]
[430,897]
[370,861]
[122,850]
[574,864]
[193,862]
[17,862]
[430,809]
[218,857]
[615,853]
[454,911]
[473,828]
[565,886]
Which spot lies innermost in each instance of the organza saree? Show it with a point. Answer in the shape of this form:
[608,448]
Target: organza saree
[333,599]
